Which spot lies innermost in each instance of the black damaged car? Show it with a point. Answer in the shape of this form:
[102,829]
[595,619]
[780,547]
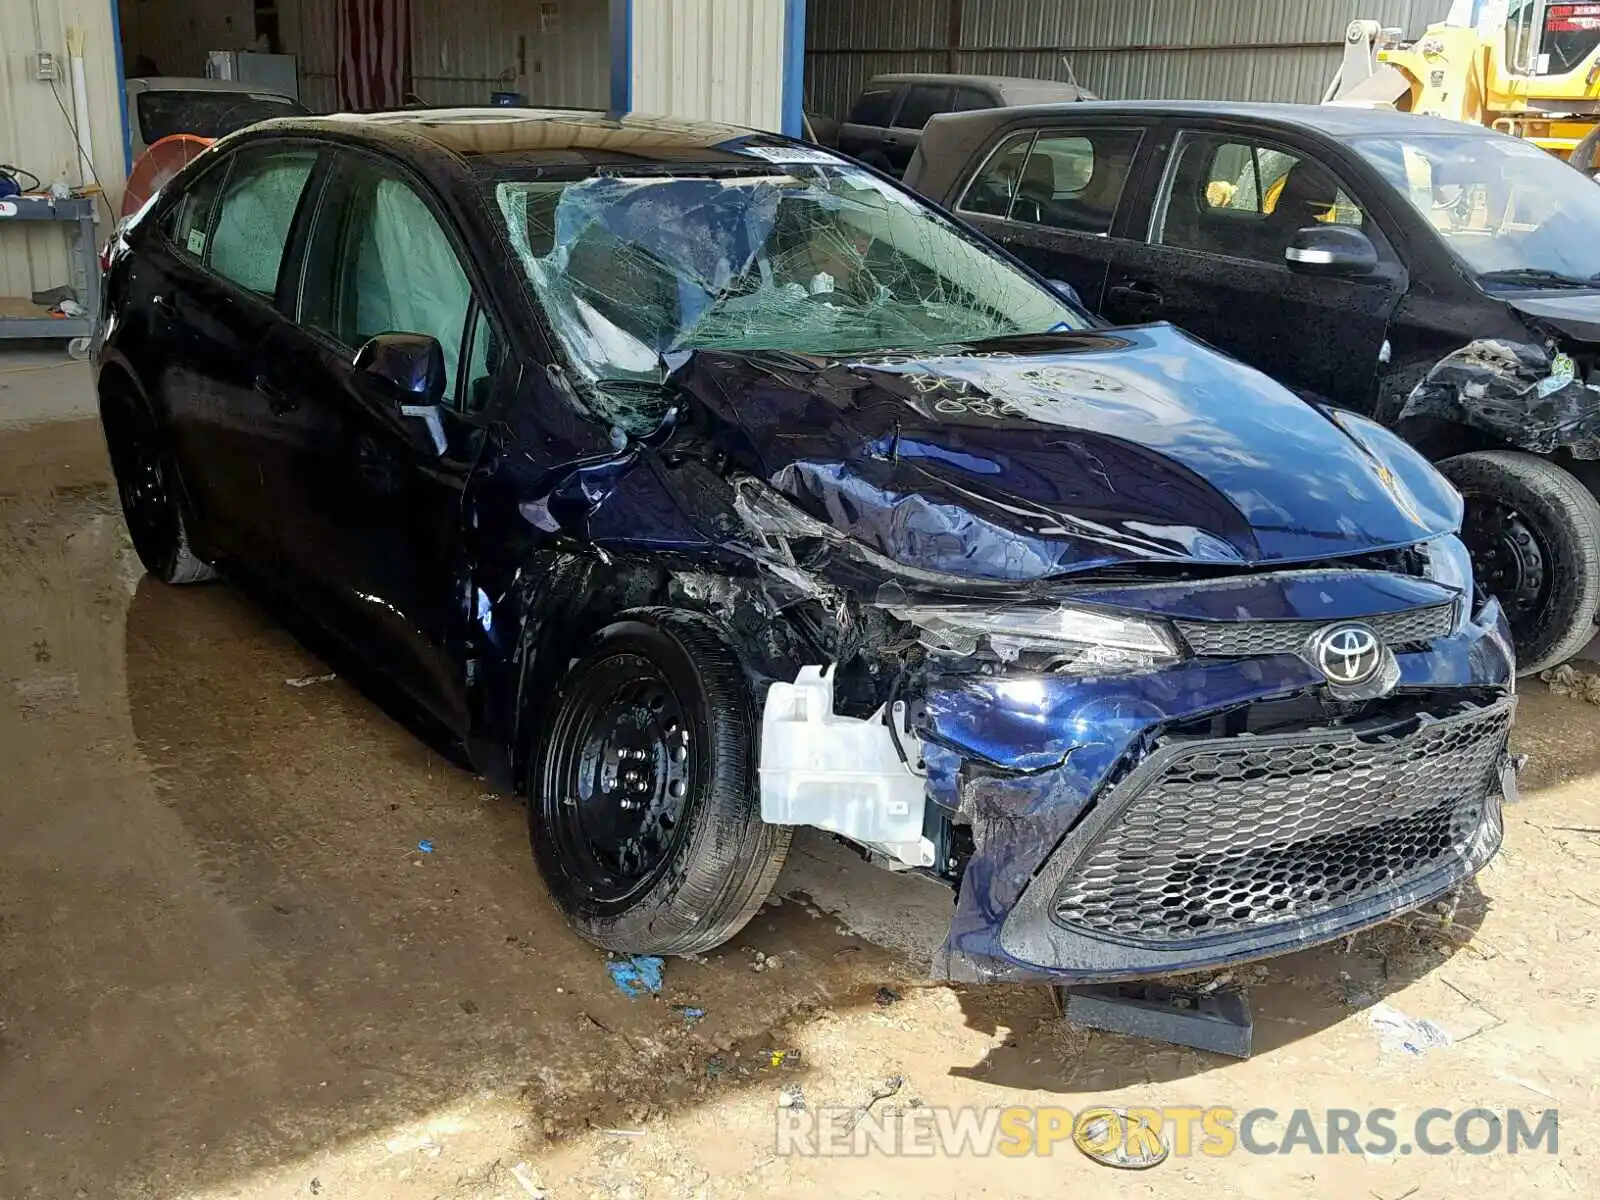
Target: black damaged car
[700,484]
[1441,277]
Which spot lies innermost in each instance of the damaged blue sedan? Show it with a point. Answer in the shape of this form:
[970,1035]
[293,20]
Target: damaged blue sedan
[700,484]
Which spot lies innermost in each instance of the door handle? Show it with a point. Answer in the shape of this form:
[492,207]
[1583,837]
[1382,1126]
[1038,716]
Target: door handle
[278,400]
[1136,295]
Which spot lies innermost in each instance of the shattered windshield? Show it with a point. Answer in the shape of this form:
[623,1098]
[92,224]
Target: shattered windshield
[818,258]
[1511,212]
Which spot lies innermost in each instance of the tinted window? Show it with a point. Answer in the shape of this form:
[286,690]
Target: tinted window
[874,107]
[254,216]
[382,263]
[187,223]
[922,103]
[1061,180]
[971,100]
[1245,199]
[208,114]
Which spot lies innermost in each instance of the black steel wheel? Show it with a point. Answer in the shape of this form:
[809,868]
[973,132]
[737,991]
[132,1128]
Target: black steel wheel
[145,486]
[1533,531]
[643,812]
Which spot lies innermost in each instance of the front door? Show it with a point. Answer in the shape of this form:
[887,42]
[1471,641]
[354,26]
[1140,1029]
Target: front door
[1213,263]
[1051,197]
[376,492]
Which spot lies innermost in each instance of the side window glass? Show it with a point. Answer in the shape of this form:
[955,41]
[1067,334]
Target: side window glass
[1068,181]
[922,103]
[1245,199]
[391,268]
[873,107]
[994,187]
[485,350]
[972,100]
[187,224]
[254,217]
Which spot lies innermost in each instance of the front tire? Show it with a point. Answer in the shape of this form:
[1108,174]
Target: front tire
[1534,534]
[643,808]
[146,485]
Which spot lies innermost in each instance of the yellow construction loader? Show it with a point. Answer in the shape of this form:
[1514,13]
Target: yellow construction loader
[1530,68]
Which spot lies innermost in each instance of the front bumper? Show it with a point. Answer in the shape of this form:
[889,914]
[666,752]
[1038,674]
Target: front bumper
[1107,845]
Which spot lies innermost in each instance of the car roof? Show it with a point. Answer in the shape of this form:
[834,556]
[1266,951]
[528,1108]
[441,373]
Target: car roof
[1332,119]
[491,136]
[1006,84]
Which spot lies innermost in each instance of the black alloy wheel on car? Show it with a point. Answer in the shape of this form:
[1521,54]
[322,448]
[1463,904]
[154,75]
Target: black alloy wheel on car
[1533,531]
[145,485]
[643,810]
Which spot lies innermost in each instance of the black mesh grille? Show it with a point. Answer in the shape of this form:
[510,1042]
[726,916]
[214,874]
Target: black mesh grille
[1240,639]
[1227,836]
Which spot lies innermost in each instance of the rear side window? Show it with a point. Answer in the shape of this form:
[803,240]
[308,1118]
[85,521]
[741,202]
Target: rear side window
[922,103]
[873,107]
[187,223]
[972,100]
[1060,180]
[255,214]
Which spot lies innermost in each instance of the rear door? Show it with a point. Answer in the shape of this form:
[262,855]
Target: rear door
[862,133]
[379,493]
[1054,196]
[1212,262]
[219,310]
[921,103]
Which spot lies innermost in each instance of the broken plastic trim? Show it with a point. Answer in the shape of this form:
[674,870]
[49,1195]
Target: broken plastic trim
[1525,395]
[840,773]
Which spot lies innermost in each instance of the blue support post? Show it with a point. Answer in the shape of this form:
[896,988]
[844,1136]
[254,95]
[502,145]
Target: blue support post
[621,56]
[794,67]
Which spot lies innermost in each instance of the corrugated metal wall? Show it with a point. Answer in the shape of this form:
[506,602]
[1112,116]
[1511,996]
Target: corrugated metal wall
[1119,49]
[710,60]
[36,134]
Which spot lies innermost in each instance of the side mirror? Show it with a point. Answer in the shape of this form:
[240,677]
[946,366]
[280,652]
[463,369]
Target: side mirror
[1331,250]
[411,363]
[1066,291]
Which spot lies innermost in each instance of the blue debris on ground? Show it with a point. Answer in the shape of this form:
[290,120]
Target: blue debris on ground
[637,975]
[690,1014]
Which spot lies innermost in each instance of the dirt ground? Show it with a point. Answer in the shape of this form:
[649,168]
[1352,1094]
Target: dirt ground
[226,970]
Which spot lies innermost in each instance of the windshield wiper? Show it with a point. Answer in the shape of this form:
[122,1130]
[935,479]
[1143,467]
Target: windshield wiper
[1538,276]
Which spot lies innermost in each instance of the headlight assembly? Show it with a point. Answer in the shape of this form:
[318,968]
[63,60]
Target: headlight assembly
[1075,639]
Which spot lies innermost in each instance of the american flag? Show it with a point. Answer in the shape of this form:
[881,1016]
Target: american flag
[374,53]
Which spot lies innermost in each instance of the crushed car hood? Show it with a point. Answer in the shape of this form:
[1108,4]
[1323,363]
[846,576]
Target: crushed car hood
[1029,458]
[1573,314]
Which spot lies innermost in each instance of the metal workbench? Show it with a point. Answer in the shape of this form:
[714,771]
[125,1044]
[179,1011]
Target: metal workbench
[20,317]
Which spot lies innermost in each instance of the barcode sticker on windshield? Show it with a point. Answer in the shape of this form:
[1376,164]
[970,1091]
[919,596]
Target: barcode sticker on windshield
[790,154]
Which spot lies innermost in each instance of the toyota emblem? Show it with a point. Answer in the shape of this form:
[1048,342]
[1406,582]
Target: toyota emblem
[1348,654]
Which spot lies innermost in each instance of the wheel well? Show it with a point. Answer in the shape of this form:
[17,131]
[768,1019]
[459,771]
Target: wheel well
[570,597]
[1436,439]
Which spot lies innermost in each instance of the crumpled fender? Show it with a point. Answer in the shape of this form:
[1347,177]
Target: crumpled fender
[1518,392]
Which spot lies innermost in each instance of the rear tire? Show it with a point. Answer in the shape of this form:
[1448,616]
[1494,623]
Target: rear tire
[146,485]
[1534,534]
[643,808]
